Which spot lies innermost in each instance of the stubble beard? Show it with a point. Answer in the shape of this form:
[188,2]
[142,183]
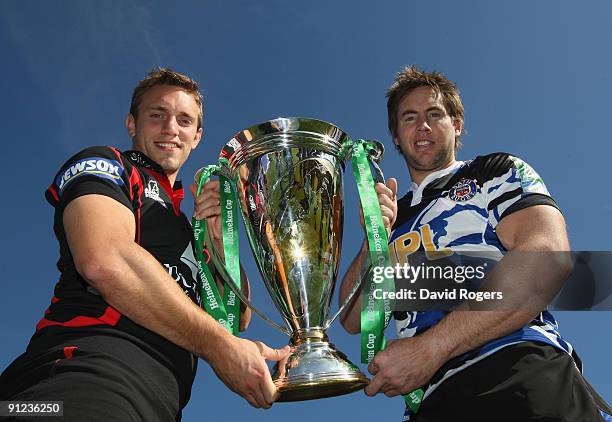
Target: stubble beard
[441,159]
[170,165]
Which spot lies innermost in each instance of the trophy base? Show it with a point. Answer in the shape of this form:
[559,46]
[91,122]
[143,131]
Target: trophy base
[315,369]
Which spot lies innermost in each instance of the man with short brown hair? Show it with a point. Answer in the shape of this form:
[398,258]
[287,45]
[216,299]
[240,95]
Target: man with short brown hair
[494,363]
[122,335]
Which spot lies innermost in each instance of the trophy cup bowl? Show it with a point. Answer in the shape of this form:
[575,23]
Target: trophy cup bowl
[287,175]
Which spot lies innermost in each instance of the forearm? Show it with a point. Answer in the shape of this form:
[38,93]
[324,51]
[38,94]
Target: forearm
[130,279]
[527,282]
[134,282]
[462,331]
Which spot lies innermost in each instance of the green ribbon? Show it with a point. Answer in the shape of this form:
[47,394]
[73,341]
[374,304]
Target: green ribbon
[231,251]
[226,312]
[413,400]
[375,313]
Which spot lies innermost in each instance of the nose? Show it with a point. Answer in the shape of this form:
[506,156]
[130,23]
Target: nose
[423,125]
[170,126]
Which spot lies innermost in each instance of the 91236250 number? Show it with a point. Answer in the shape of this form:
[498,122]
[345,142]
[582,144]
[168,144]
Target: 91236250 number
[31,408]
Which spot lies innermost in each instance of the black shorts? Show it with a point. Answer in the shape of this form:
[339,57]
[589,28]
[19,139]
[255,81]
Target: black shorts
[98,378]
[524,382]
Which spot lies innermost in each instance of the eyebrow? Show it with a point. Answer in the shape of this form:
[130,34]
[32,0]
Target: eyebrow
[165,109]
[415,112]
[156,108]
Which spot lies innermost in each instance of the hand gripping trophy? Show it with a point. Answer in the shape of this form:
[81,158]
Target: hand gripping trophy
[285,175]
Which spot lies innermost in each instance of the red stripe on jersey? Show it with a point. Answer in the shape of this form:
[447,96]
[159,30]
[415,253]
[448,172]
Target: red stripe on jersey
[176,196]
[136,180]
[110,317]
[69,351]
[54,193]
[117,153]
[53,300]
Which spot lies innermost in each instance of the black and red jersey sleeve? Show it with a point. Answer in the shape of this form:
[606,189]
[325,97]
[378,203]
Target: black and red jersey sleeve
[95,170]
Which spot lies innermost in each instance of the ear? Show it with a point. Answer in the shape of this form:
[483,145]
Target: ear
[197,138]
[458,125]
[130,124]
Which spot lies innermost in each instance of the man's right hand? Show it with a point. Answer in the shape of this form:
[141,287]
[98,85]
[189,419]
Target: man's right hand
[387,199]
[241,365]
[208,206]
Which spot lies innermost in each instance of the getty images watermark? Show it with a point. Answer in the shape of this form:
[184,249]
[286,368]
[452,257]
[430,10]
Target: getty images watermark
[458,274]
[525,279]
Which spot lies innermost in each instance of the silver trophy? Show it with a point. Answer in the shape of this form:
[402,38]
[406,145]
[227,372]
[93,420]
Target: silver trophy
[288,181]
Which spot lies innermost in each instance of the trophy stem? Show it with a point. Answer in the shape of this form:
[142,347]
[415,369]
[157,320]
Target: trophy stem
[315,369]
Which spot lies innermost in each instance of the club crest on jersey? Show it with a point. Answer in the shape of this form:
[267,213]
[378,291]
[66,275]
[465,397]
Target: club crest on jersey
[152,191]
[463,190]
[95,166]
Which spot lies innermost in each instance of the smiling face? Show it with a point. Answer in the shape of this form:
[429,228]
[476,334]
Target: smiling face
[425,132]
[166,127]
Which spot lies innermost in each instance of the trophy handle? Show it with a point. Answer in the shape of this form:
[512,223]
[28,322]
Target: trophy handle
[225,274]
[375,151]
[220,266]
[364,273]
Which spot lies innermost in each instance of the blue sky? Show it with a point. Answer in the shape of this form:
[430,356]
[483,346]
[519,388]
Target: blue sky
[534,77]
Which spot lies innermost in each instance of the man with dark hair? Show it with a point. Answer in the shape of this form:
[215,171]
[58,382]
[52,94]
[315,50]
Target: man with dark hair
[489,364]
[122,335]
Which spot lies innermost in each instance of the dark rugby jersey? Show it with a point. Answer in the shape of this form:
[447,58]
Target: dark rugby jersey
[456,210]
[140,184]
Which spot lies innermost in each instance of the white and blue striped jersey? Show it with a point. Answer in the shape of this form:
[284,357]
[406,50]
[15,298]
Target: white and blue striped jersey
[456,210]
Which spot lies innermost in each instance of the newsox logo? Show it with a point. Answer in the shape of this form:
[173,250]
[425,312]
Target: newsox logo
[97,166]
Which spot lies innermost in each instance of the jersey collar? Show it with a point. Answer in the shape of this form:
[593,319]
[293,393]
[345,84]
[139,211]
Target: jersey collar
[176,192]
[417,190]
[142,160]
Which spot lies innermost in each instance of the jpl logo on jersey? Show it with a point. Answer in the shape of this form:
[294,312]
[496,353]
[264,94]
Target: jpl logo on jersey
[463,190]
[411,242]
